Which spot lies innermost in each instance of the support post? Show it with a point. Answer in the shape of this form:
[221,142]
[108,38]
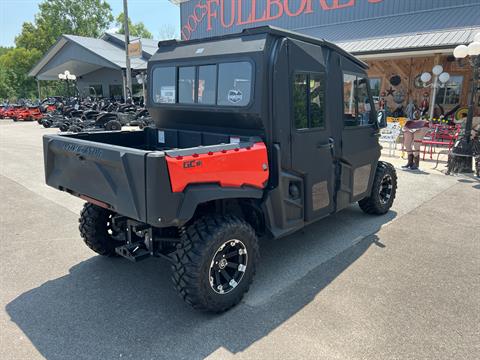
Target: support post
[462,153]
[144,89]
[434,95]
[471,103]
[433,99]
[38,89]
[124,83]
[127,57]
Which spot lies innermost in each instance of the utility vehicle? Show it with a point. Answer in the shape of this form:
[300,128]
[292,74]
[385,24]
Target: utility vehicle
[257,134]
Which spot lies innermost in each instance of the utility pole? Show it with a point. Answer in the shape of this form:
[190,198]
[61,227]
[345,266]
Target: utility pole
[128,88]
[38,88]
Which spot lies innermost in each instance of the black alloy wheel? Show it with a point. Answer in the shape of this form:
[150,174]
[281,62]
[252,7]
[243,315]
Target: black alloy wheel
[385,189]
[228,266]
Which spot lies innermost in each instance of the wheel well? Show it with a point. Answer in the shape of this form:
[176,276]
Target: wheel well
[246,209]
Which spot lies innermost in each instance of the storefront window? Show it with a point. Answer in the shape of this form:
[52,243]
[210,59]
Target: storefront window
[452,92]
[375,86]
[116,90]
[137,90]
[96,90]
[164,85]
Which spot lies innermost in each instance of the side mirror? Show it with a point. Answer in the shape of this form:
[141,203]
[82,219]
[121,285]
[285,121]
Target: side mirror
[381,119]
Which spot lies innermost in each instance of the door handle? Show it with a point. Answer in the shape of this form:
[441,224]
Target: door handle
[329,145]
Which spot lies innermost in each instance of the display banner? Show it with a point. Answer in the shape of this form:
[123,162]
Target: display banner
[135,49]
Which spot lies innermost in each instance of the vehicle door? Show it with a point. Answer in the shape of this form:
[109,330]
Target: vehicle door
[310,129]
[360,149]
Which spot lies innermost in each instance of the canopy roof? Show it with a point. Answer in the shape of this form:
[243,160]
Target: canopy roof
[82,55]
[443,28]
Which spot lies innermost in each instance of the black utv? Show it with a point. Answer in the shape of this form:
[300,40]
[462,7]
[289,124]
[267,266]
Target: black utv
[257,134]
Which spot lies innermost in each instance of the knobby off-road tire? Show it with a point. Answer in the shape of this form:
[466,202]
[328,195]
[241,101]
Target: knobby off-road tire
[96,230]
[384,190]
[199,255]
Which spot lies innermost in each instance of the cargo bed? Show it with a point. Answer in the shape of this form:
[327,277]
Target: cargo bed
[127,171]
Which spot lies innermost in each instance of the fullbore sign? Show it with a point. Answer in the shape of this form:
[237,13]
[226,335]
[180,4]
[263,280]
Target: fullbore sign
[199,17]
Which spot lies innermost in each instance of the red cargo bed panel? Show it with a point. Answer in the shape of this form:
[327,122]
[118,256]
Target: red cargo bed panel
[246,166]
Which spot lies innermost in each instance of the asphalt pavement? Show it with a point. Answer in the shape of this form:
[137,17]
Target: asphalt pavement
[401,286]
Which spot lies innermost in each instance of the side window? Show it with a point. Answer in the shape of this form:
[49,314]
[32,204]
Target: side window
[317,104]
[234,84]
[300,109]
[308,101]
[357,107]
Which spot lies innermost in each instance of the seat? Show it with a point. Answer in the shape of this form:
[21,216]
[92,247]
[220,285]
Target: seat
[439,136]
[390,136]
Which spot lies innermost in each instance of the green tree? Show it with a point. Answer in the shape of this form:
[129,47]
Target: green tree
[4,49]
[139,29]
[14,67]
[57,17]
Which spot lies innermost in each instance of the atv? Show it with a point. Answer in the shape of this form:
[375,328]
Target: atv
[29,113]
[256,134]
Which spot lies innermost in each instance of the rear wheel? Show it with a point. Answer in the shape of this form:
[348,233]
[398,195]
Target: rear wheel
[216,262]
[113,125]
[383,192]
[98,231]
[75,128]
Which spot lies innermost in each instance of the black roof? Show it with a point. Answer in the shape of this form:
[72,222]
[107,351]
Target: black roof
[275,31]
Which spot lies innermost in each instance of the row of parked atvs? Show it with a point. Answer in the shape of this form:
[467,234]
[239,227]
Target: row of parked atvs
[79,114]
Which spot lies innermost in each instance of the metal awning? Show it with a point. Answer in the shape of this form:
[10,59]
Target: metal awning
[82,55]
[434,29]
[437,40]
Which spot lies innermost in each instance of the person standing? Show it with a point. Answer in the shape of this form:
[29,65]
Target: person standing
[414,131]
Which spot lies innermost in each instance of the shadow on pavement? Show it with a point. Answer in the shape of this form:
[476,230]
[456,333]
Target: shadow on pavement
[110,308]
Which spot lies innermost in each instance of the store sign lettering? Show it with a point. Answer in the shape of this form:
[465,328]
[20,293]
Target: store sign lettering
[228,13]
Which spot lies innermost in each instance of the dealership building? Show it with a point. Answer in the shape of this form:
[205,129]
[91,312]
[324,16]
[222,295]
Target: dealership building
[399,39]
[99,65]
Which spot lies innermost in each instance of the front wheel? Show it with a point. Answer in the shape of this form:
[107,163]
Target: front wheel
[215,263]
[383,192]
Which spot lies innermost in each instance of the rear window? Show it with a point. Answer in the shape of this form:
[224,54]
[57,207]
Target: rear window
[164,85]
[186,85]
[223,84]
[207,84]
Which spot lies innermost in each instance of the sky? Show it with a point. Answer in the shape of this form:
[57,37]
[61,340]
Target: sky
[155,14]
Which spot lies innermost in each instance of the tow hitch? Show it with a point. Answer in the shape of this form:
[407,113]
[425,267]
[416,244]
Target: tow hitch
[139,244]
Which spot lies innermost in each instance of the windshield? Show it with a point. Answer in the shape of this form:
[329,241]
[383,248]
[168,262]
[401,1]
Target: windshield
[221,84]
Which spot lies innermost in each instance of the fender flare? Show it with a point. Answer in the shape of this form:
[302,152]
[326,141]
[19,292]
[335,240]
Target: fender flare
[199,194]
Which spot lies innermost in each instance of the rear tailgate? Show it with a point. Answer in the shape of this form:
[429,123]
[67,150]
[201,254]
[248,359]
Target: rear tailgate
[112,174]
